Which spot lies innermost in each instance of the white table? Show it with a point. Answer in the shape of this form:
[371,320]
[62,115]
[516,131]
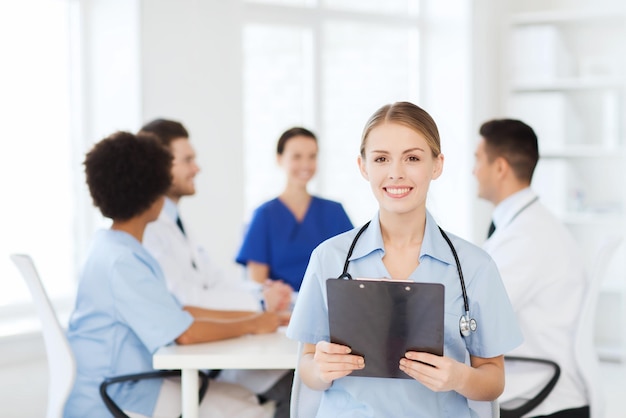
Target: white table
[264,351]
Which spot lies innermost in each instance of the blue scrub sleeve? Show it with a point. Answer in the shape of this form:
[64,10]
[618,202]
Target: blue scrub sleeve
[256,244]
[342,219]
[145,304]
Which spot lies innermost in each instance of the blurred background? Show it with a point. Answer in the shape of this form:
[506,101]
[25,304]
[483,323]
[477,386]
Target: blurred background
[237,73]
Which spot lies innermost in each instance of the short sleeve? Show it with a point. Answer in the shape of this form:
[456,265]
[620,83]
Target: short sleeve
[255,245]
[142,300]
[498,331]
[342,222]
[309,320]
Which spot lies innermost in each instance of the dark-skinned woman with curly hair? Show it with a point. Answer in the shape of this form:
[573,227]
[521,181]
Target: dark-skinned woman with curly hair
[124,311]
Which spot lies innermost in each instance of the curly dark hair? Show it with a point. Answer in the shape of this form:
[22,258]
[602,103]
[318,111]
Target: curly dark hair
[127,173]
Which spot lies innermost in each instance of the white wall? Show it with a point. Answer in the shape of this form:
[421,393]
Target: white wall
[447,94]
[486,96]
[23,377]
[191,71]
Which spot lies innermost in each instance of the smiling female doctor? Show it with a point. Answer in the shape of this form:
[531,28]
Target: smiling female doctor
[400,155]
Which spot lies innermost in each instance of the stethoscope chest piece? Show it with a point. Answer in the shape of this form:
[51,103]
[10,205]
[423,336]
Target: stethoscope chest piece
[467,325]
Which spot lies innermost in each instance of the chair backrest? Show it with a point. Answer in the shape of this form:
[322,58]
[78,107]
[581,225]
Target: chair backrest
[486,409]
[586,354]
[61,363]
[305,401]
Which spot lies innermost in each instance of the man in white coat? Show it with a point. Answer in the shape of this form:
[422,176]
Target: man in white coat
[190,274]
[538,259]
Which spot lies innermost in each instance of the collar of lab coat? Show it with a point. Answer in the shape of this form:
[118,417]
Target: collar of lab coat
[510,207]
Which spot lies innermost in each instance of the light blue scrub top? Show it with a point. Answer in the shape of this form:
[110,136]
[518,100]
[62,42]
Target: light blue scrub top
[123,314]
[497,333]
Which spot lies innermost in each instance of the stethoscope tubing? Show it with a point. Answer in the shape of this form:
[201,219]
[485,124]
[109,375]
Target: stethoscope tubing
[466,323]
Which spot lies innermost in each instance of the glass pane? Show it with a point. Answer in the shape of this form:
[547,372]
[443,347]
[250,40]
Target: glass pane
[363,67]
[278,94]
[402,7]
[37,173]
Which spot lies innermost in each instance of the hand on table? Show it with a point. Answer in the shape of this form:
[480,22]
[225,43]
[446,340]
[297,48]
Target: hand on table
[277,296]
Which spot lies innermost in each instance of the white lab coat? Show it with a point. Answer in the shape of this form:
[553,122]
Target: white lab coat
[543,272]
[204,286]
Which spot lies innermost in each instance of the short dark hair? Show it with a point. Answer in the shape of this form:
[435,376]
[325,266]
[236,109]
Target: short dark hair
[514,141]
[127,173]
[165,130]
[290,133]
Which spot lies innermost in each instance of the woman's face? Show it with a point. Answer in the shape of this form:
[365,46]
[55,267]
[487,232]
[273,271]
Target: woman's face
[299,159]
[399,165]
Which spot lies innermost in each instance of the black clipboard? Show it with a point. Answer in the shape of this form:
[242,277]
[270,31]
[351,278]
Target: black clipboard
[381,320]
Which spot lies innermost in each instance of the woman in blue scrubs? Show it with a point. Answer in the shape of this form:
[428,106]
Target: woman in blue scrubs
[284,231]
[400,155]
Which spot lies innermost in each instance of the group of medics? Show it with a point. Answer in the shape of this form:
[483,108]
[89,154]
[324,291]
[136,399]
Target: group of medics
[147,269]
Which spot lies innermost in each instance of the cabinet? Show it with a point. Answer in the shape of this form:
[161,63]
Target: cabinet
[565,75]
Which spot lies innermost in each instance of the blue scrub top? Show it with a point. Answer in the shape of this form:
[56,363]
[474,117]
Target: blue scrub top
[497,333]
[123,314]
[274,237]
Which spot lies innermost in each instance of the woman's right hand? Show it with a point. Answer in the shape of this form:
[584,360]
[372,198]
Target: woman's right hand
[334,361]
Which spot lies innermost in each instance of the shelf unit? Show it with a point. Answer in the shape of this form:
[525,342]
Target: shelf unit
[566,77]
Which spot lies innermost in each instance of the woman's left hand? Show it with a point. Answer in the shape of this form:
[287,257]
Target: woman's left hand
[277,295]
[437,373]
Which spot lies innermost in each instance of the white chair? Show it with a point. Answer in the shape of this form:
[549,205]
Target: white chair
[586,355]
[305,401]
[61,362]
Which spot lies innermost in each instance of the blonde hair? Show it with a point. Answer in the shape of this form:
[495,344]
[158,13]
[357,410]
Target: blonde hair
[409,115]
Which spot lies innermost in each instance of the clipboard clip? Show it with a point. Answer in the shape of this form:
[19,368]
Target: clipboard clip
[345,274]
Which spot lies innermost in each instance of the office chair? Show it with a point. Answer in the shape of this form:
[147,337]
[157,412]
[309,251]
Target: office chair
[305,401]
[518,407]
[585,351]
[61,362]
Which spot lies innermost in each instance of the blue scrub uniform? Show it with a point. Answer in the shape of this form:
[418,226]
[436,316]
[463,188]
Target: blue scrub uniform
[123,314]
[277,239]
[497,332]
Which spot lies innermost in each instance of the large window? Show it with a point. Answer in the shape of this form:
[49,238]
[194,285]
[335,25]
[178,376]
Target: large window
[326,65]
[39,166]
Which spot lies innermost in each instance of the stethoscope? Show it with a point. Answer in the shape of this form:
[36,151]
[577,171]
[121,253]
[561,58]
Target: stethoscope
[467,325]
